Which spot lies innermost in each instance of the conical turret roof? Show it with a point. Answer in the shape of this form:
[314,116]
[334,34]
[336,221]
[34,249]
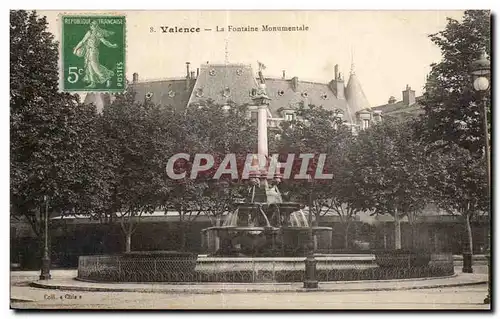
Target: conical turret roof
[354,94]
[98,99]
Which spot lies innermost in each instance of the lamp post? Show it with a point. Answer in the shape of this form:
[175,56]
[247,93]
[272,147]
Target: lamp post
[310,281]
[480,71]
[45,271]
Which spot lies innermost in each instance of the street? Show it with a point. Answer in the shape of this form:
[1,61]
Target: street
[470,297]
[466,297]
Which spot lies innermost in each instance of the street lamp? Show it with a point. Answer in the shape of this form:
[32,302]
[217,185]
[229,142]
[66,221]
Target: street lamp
[480,71]
[310,281]
[45,271]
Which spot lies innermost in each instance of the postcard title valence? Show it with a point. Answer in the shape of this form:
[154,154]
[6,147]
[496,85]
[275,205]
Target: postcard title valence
[232,28]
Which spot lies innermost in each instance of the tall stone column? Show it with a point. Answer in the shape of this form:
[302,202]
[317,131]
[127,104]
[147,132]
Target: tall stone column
[262,131]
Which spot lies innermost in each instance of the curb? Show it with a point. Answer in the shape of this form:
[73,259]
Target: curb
[274,283]
[14,299]
[244,290]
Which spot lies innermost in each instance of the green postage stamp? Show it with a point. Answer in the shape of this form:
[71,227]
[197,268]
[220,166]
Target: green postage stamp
[93,53]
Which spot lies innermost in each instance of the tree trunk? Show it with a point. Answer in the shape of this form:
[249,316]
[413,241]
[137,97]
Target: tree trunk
[346,235]
[182,233]
[385,238]
[467,254]
[413,232]
[397,230]
[128,242]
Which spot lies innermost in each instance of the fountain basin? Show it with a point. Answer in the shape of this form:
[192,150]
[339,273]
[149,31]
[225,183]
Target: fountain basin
[243,269]
[234,241]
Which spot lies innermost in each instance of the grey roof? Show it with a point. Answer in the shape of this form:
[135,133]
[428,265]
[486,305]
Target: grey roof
[223,83]
[400,110]
[173,92]
[283,95]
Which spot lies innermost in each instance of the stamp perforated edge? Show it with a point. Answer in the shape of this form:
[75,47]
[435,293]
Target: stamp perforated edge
[60,23]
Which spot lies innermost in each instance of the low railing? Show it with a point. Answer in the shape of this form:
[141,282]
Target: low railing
[160,268]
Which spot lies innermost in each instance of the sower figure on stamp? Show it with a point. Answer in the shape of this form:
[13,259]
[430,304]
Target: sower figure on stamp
[88,48]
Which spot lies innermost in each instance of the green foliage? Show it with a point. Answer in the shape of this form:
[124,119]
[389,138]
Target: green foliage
[452,109]
[52,135]
[458,181]
[319,131]
[391,168]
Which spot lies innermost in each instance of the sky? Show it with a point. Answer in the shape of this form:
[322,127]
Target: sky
[390,49]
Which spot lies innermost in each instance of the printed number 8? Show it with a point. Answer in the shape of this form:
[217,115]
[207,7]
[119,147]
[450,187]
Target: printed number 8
[73,76]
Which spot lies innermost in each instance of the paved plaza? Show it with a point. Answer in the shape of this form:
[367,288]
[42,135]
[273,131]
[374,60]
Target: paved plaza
[467,297]
[458,297]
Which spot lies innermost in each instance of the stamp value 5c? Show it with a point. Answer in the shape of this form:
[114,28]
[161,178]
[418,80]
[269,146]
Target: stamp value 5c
[93,53]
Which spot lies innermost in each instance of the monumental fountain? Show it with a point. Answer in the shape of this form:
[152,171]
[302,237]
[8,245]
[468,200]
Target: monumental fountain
[265,239]
[264,225]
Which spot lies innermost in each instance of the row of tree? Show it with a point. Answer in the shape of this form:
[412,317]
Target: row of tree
[111,165]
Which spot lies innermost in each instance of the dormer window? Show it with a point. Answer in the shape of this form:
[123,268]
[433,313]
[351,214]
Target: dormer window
[199,92]
[171,93]
[324,96]
[304,94]
[211,72]
[366,124]
[226,92]
[253,92]
[149,95]
[239,72]
[339,114]
[289,116]
[281,93]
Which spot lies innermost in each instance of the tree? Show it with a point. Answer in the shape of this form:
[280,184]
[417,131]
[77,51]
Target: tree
[458,185]
[452,112]
[52,134]
[216,130]
[319,131]
[139,138]
[391,171]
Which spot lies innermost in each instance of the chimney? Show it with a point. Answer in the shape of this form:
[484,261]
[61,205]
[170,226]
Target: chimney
[188,76]
[135,78]
[337,84]
[295,83]
[192,75]
[197,72]
[408,96]
[187,69]
[284,74]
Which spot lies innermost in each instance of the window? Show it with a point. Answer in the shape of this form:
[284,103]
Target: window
[281,93]
[366,124]
[289,116]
